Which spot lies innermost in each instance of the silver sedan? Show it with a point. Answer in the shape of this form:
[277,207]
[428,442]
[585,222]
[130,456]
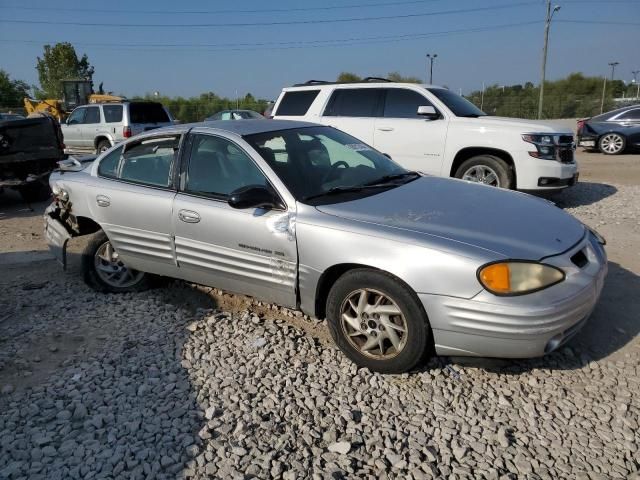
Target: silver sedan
[400,264]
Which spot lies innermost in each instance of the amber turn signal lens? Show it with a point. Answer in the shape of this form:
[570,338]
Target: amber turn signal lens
[496,277]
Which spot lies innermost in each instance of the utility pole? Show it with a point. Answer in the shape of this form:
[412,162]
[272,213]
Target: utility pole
[613,68]
[547,24]
[482,97]
[431,57]
[635,80]
[604,89]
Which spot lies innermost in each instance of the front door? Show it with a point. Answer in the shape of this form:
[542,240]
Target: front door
[90,127]
[133,200]
[249,251]
[413,141]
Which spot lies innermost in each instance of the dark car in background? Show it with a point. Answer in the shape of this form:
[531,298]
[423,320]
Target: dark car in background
[234,115]
[611,133]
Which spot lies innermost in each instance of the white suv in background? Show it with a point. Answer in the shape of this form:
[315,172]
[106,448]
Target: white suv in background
[433,130]
[97,127]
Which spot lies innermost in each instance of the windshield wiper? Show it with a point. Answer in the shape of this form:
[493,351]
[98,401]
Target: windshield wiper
[338,190]
[391,177]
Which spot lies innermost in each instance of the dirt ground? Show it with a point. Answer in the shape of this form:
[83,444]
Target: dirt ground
[25,260]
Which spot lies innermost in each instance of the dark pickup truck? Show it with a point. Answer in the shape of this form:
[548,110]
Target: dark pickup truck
[29,151]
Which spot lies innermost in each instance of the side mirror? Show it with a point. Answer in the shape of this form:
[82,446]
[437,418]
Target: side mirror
[428,111]
[253,196]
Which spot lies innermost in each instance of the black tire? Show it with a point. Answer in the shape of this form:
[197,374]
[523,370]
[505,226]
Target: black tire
[37,191]
[418,332]
[103,145]
[503,171]
[612,143]
[93,278]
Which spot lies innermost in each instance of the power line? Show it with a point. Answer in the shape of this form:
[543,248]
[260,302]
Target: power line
[206,12]
[288,45]
[601,22]
[278,23]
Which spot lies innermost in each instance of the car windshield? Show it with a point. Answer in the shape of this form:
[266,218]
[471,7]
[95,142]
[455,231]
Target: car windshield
[461,107]
[322,165]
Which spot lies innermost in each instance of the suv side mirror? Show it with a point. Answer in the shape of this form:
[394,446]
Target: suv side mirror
[253,196]
[428,111]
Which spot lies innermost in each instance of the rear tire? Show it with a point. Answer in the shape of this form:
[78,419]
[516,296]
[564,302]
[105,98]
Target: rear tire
[103,146]
[377,321]
[612,144]
[488,170]
[103,272]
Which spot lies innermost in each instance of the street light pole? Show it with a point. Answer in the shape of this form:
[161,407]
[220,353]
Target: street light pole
[545,47]
[613,68]
[635,80]
[431,58]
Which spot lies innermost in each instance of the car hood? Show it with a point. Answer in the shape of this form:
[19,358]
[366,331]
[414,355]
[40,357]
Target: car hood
[517,124]
[512,224]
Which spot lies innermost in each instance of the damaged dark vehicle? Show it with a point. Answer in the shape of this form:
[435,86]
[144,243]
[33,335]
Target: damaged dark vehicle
[29,151]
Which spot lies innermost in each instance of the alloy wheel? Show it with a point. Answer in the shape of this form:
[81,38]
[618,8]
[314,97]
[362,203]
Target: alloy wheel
[612,143]
[111,270]
[482,174]
[373,324]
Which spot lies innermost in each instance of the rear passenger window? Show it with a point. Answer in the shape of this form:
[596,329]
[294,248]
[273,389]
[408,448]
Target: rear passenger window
[354,102]
[112,113]
[92,115]
[150,162]
[403,103]
[147,112]
[296,103]
[109,165]
[630,115]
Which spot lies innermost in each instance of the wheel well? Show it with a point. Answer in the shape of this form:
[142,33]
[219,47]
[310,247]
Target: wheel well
[467,153]
[87,226]
[99,139]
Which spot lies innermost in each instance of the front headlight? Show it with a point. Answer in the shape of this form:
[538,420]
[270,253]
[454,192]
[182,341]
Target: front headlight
[545,145]
[518,278]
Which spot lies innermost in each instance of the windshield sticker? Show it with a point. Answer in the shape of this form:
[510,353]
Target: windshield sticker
[358,147]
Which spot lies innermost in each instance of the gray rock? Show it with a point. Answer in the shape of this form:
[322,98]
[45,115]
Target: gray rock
[340,447]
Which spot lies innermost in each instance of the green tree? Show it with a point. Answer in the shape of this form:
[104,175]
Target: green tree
[348,77]
[396,77]
[60,62]
[12,91]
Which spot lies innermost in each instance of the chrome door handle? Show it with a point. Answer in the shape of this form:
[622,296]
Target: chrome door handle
[103,200]
[188,216]
[385,129]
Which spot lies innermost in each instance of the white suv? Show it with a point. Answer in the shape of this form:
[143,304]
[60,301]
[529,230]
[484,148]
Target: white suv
[97,127]
[433,130]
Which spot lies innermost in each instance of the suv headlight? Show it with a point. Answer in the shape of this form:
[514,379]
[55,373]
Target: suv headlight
[518,277]
[544,143]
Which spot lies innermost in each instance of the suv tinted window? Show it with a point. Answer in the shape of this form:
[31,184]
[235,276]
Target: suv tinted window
[112,113]
[147,112]
[296,103]
[403,103]
[109,165]
[92,115]
[217,167]
[150,161]
[354,102]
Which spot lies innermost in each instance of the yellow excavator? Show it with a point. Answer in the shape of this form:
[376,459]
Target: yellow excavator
[74,94]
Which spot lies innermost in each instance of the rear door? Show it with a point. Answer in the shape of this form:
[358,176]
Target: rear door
[248,251]
[133,199]
[412,140]
[353,110]
[630,126]
[72,128]
[144,116]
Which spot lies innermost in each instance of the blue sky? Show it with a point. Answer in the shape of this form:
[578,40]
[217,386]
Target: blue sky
[503,46]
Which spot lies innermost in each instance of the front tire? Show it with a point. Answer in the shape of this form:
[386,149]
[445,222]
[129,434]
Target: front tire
[486,169]
[377,321]
[612,144]
[104,272]
[103,146]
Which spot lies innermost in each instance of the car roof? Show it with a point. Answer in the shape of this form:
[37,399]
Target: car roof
[325,85]
[245,127]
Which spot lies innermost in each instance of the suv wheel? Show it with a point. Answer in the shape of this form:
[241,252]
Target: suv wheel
[486,169]
[611,144]
[103,146]
[377,321]
[104,271]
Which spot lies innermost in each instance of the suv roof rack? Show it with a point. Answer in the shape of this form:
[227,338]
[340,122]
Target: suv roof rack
[325,82]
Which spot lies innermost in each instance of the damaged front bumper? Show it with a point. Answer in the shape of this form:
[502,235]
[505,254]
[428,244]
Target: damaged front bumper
[56,235]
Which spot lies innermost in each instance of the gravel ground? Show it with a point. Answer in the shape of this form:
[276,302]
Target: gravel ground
[186,381]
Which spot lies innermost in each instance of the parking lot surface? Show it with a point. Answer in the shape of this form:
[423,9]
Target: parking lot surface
[190,382]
